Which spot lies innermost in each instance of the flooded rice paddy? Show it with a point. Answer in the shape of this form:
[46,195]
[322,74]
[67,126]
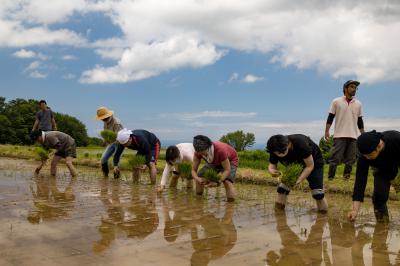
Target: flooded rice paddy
[89,220]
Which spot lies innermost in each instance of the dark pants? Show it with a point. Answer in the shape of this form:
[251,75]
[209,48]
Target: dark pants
[381,194]
[343,150]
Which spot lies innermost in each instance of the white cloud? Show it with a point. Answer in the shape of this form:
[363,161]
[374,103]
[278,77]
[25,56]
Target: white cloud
[34,65]
[147,60]
[357,39]
[69,57]
[24,54]
[233,77]
[38,75]
[251,78]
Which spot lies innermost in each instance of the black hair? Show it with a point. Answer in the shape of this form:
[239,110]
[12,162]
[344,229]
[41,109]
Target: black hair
[277,143]
[35,134]
[42,101]
[201,143]
[171,154]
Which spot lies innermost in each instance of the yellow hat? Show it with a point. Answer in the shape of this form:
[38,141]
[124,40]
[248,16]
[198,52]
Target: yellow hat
[103,112]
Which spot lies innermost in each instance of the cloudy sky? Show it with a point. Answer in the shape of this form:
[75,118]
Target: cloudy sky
[183,67]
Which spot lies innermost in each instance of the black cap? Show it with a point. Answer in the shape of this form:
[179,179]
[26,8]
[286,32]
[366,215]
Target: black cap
[368,141]
[347,83]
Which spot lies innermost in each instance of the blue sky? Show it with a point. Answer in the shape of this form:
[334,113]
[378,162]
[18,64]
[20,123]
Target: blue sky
[190,67]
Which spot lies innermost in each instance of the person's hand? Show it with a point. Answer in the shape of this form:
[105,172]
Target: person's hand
[200,180]
[160,188]
[275,173]
[212,184]
[352,215]
[116,172]
[37,170]
[327,136]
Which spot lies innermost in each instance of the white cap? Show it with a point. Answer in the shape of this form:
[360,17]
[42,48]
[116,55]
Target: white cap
[123,136]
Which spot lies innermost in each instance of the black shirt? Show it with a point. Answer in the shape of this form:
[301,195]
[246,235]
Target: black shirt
[302,148]
[143,141]
[387,163]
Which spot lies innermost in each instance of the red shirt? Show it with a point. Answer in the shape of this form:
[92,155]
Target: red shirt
[222,151]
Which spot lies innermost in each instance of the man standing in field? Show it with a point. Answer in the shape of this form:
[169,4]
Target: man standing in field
[349,123]
[44,118]
[113,124]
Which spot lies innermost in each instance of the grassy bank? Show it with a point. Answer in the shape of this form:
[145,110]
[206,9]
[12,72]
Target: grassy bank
[252,169]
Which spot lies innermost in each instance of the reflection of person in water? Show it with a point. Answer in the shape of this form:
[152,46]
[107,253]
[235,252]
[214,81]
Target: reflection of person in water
[346,246]
[49,201]
[379,247]
[296,251]
[219,236]
[178,221]
[137,219]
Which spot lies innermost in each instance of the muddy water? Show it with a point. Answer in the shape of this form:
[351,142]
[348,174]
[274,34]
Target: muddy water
[92,221]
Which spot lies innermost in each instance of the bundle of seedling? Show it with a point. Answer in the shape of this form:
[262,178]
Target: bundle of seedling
[396,183]
[41,154]
[212,176]
[108,136]
[185,170]
[136,163]
[291,173]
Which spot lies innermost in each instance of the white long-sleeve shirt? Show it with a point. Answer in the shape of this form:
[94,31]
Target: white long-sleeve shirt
[186,152]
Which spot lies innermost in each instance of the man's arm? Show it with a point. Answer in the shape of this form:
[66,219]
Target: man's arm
[273,169]
[117,155]
[195,167]
[35,125]
[329,122]
[360,124]
[53,124]
[309,162]
[359,187]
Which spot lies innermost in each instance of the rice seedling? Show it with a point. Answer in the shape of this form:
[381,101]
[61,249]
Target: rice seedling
[136,161]
[212,176]
[185,170]
[291,173]
[41,154]
[396,184]
[108,136]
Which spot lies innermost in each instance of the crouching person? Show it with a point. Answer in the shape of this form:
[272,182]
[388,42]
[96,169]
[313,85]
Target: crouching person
[219,156]
[146,144]
[174,156]
[300,149]
[381,151]
[63,143]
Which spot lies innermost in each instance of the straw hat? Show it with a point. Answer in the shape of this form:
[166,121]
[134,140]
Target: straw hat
[103,112]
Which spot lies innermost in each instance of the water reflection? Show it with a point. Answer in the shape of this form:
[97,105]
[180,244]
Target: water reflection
[50,201]
[212,237]
[135,218]
[296,251]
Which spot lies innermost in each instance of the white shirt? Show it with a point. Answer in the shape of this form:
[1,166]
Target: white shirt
[346,117]
[186,152]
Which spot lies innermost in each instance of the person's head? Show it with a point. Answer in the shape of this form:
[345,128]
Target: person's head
[350,88]
[201,144]
[172,154]
[370,144]
[36,136]
[42,104]
[124,137]
[278,145]
[104,114]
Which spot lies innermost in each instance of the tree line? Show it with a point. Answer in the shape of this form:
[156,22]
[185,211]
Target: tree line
[18,116]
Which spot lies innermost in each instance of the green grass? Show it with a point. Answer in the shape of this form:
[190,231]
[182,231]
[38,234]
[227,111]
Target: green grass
[136,161]
[108,136]
[41,153]
[185,170]
[212,175]
[291,173]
